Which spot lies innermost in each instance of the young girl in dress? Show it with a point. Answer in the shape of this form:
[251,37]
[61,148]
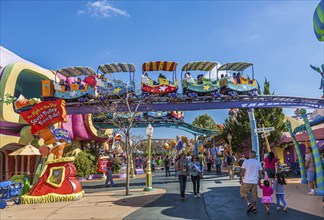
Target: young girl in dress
[266,197]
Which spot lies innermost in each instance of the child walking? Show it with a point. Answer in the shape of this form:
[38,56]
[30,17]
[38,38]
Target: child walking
[266,197]
[278,187]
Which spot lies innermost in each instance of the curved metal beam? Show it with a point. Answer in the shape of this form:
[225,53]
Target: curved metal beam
[194,104]
[178,125]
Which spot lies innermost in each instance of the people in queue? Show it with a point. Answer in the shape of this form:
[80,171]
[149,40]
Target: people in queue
[183,171]
[250,176]
[195,177]
[310,170]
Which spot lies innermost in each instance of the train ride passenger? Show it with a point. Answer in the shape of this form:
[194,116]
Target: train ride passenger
[238,78]
[200,79]
[189,78]
[81,86]
[67,85]
[145,79]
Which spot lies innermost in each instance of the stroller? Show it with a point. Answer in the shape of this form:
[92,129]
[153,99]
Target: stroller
[10,190]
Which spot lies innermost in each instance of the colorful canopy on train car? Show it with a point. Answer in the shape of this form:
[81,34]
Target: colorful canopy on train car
[116,67]
[159,66]
[76,71]
[318,21]
[236,66]
[203,66]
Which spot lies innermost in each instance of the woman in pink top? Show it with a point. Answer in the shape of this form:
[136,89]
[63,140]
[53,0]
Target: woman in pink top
[270,167]
[266,197]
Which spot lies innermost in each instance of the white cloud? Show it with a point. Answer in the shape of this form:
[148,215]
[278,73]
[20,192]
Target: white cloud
[102,9]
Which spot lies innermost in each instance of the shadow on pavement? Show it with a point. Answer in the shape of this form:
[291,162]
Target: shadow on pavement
[225,202]
[168,206]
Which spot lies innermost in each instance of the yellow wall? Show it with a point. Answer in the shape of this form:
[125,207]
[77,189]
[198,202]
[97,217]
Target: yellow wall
[280,154]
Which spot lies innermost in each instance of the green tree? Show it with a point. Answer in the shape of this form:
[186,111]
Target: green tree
[204,121]
[239,125]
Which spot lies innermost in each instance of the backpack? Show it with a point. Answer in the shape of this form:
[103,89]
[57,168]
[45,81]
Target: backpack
[230,160]
[240,162]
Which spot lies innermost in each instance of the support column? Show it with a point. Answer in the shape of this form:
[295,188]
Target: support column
[254,135]
[317,156]
[196,145]
[300,156]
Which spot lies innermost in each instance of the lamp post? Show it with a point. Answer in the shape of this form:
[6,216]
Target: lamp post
[149,132]
[229,138]
[131,161]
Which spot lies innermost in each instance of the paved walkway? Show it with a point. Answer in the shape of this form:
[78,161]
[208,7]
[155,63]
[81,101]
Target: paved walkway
[99,205]
[220,199]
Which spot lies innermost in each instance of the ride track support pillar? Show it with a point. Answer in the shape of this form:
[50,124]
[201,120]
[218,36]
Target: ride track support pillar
[254,135]
[317,156]
[196,146]
[299,154]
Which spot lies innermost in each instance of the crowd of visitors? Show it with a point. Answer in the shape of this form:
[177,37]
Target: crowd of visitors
[250,175]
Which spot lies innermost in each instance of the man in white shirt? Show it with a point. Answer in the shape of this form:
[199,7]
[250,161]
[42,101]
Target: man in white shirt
[250,176]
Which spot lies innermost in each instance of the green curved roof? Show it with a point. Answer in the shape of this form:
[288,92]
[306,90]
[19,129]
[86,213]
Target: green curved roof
[76,71]
[116,67]
[199,65]
[235,66]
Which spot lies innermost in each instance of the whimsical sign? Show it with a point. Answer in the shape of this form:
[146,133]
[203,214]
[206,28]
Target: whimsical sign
[61,134]
[260,130]
[44,114]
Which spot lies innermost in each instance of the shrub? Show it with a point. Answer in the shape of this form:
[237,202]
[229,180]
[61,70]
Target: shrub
[116,164]
[83,165]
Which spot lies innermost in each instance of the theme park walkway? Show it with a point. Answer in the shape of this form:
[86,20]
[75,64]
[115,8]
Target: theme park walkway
[220,200]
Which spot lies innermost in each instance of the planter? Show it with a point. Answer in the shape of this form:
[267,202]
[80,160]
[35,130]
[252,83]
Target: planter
[80,179]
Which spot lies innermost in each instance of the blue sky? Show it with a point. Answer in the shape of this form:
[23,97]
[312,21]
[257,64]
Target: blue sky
[277,36]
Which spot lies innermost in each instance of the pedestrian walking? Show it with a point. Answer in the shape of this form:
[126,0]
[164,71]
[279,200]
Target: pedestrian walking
[195,178]
[278,187]
[267,191]
[175,169]
[310,170]
[209,161]
[109,177]
[270,163]
[201,159]
[167,163]
[183,172]
[230,161]
[218,163]
[250,176]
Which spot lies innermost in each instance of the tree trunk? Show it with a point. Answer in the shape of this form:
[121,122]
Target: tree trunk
[127,162]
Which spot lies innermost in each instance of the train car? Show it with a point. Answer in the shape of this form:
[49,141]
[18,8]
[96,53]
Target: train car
[234,83]
[162,86]
[110,86]
[202,84]
[164,116]
[76,90]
